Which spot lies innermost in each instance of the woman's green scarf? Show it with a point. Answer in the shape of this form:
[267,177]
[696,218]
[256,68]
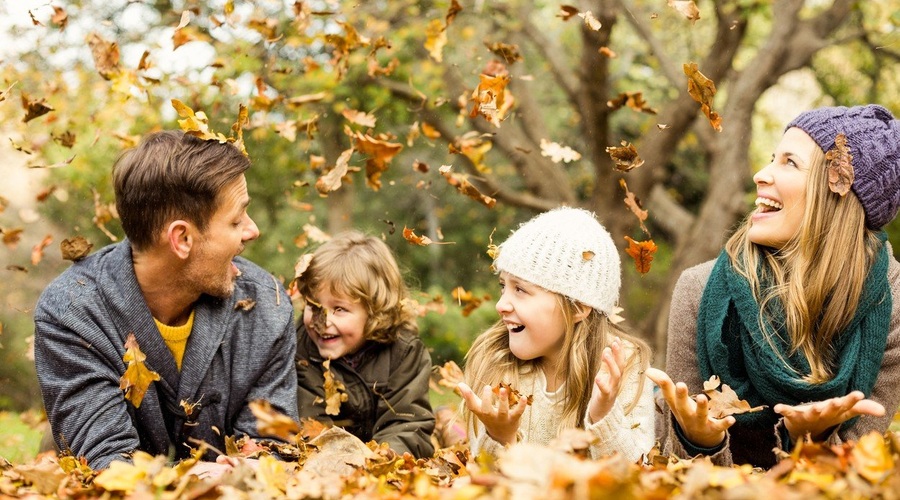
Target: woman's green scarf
[731,345]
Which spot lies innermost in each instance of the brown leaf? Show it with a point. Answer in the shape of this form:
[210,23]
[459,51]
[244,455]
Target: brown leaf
[37,252]
[508,52]
[462,184]
[380,152]
[4,94]
[566,12]
[59,17]
[105,54]
[840,166]
[703,90]
[331,181]
[686,8]
[137,378]
[34,109]
[271,422]
[359,117]
[626,157]
[65,139]
[144,63]
[196,124]
[75,249]
[55,165]
[335,391]
[634,100]
[244,305]
[513,395]
[11,237]
[467,300]
[634,204]
[413,238]
[429,131]
[725,402]
[34,20]
[608,52]
[642,253]
[489,99]
[455,8]
[872,458]
[296,102]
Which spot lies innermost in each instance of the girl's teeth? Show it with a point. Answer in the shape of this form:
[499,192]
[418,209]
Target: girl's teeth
[767,204]
[518,328]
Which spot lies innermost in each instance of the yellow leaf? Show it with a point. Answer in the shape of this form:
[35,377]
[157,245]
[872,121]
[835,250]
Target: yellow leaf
[435,39]
[138,377]
[121,476]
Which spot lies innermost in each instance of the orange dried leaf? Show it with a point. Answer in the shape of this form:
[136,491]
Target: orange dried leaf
[76,248]
[450,375]
[335,391]
[703,90]
[634,100]
[244,305]
[608,52]
[380,152]
[872,458]
[454,9]
[462,184]
[271,422]
[686,8]
[725,402]
[642,253]
[467,300]
[626,157]
[59,17]
[634,204]
[34,109]
[11,237]
[512,395]
[435,39]
[105,54]
[489,98]
[37,252]
[359,117]
[508,52]
[415,239]
[137,378]
[566,12]
[331,181]
[840,166]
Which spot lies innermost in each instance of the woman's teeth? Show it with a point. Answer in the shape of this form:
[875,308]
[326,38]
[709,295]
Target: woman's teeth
[517,328]
[767,205]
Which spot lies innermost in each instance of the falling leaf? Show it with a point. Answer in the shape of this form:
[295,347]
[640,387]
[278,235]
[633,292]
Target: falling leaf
[13,267]
[331,181]
[103,213]
[20,148]
[76,248]
[359,117]
[34,20]
[642,253]
[462,184]
[608,52]
[43,195]
[271,422]
[590,21]
[626,157]
[296,102]
[558,153]
[34,109]
[244,305]
[468,300]
[335,391]
[512,395]
[450,375]
[473,146]
[196,124]
[455,8]
[380,152]
[872,458]
[703,90]
[65,139]
[137,378]
[492,250]
[3,204]
[144,63]
[185,19]
[237,129]
[105,54]
[4,94]
[186,35]
[11,237]
[634,100]
[435,39]
[566,12]
[840,166]
[429,131]
[37,252]
[725,402]
[59,17]
[634,204]
[55,165]
[489,98]
[508,52]
[414,239]
[686,8]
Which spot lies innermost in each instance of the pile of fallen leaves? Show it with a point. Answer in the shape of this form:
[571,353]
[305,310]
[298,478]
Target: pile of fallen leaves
[330,463]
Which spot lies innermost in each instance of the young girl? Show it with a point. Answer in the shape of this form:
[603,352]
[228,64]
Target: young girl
[559,282]
[800,312]
[356,317]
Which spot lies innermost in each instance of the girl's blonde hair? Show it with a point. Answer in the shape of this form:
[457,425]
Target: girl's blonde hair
[811,287]
[489,360]
[362,268]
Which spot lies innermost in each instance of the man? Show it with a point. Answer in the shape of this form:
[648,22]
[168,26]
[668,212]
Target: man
[175,284]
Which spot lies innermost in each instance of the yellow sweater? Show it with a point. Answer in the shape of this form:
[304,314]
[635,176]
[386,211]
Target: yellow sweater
[176,337]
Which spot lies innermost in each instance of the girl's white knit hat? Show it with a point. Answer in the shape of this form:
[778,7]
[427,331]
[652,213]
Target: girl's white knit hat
[568,252]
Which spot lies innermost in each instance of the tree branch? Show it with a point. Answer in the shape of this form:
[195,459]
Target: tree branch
[670,70]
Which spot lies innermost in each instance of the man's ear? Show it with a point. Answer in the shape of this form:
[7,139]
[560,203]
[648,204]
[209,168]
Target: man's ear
[180,238]
[582,311]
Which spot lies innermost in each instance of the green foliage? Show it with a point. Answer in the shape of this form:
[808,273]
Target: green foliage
[19,441]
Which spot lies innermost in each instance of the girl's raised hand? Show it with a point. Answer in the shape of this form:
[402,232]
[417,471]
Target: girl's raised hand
[607,382]
[692,415]
[817,418]
[501,422]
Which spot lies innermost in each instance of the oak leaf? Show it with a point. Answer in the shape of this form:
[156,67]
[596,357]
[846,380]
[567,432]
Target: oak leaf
[703,90]
[557,152]
[271,422]
[725,402]
[642,253]
[75,249]
[626,157]
[137,378]
[840,166]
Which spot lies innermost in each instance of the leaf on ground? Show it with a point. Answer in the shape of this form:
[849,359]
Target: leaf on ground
[626,157]
[642,253]
[335,391]
[840,166]
[339,453]
[34,109]
[725,402]
[44,475]
[271,422]
[557,152]
[137,378]
[462,184]
[703,90]
[75,248]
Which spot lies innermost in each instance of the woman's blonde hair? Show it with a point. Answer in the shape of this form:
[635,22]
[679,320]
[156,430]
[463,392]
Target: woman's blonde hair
[362,268]
[489,360]
[811,287]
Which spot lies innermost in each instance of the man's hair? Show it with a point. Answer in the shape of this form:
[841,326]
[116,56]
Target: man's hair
[169,176]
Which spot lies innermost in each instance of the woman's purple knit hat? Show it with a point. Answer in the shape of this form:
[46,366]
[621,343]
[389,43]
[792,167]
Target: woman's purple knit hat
[873,136]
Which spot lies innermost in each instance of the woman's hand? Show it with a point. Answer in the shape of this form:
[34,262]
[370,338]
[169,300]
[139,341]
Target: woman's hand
[501,422]
[817,418]
[607,382]
[692,414]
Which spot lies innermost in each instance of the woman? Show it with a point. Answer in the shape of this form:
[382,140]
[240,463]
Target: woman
[801,310]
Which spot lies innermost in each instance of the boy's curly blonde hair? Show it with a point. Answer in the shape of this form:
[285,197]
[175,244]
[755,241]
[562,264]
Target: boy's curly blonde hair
[362,268]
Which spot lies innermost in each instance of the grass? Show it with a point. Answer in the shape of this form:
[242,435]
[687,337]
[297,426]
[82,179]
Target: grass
[19,441]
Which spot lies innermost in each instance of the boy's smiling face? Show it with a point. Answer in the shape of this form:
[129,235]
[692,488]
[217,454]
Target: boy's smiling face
[336,324]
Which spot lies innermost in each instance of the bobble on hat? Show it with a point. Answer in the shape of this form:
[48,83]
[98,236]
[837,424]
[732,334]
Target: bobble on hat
[568,252]
[873,136]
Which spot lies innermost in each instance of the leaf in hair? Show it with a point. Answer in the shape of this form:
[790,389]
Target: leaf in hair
[840,166]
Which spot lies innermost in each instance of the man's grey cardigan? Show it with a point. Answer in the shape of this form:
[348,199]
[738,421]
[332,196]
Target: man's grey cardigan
[232,357]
